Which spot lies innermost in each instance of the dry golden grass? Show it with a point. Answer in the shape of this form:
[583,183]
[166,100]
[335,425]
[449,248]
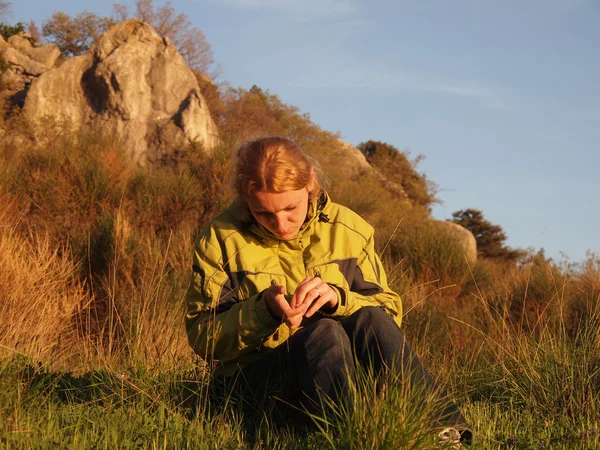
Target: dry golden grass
[95,256]
[41,294]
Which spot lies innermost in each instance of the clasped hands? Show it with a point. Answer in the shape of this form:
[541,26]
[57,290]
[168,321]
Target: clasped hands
[310,296]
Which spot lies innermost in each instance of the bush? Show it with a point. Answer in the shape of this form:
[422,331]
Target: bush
[428,255]
[7,30]
[396,166]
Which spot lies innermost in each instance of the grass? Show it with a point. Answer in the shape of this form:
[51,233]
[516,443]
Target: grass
[106,409]
[136,384]
[95,258]
[522,395]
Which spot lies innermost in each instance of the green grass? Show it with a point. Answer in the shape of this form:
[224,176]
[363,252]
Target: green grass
[525,394]
[108,409]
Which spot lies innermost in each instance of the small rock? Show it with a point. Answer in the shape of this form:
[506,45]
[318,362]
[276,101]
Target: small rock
[19,59]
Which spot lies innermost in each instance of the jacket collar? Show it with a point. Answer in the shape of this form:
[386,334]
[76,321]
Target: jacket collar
[240,211]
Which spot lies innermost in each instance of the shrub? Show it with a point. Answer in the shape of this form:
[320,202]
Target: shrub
[428,254]
[396,166]
[7,30]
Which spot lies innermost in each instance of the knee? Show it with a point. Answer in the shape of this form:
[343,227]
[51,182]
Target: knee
[376,318]
[371,313]
[329,336]
[372,329]
[328,332]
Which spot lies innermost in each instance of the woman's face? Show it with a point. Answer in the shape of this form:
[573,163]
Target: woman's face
[282,213]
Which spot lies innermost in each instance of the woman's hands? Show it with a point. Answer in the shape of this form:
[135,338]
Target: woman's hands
[310,296]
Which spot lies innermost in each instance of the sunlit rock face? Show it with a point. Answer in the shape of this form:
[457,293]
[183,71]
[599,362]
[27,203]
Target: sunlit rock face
[132,84]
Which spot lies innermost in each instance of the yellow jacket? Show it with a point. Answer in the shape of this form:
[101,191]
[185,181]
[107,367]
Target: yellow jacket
[236,259]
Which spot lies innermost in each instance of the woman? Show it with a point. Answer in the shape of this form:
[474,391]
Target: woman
[287,292]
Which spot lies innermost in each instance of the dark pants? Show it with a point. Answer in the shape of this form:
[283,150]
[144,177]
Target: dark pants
[323,358]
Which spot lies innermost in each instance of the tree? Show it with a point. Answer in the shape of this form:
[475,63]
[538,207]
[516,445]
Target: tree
[490,237]
[189,40]
[34,32]
[75,36]
[396,167]
[4,9]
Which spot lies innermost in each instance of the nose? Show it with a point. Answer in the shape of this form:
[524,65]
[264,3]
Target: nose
[280,223]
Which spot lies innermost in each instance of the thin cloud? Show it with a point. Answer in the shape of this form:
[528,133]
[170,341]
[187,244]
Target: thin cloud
[541,5]
[489,96]
[313,8]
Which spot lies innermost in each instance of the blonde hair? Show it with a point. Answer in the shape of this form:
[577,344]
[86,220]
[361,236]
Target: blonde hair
[274,164]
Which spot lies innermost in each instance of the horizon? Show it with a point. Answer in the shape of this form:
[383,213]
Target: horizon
[500,97]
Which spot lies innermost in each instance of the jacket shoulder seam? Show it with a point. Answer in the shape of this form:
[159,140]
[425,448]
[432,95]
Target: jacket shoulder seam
[337,222]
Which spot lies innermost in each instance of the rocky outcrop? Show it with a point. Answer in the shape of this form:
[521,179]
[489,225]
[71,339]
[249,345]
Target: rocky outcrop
[132,84]
[21,64]
[350,160]
[46,55]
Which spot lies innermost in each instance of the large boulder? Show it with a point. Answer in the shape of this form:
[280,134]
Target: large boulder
[59,95]
[132,84]
[463,237]
[351,161]
[45,54]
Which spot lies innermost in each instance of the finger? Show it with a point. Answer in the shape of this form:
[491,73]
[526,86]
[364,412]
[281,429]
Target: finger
[298,310]
[328,297]
[308,292]
[315,306]
[276,301]
[294,302]
[312,296]
[277,288]
[294,321]
[277,292]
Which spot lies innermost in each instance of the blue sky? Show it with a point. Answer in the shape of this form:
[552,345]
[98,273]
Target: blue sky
[503,96]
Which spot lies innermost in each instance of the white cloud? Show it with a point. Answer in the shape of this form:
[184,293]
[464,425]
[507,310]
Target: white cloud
[304,8]
[489,96]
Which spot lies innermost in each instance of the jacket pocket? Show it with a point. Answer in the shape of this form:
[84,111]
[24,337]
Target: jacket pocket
[338,273]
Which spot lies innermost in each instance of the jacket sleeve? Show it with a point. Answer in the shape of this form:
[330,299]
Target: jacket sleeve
[369,286]
[221,326]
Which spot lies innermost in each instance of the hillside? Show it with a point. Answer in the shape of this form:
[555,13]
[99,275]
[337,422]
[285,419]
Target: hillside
[95,251]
